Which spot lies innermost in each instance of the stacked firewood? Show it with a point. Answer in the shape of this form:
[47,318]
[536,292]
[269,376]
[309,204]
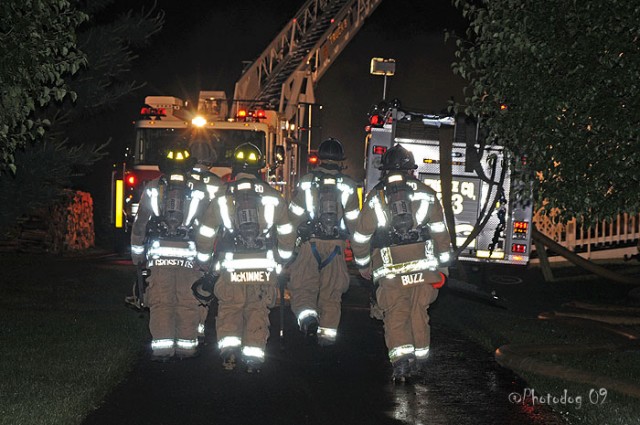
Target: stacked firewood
[65,226]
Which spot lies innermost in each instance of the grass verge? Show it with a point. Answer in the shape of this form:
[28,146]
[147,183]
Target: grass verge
[519,326]
[67,339]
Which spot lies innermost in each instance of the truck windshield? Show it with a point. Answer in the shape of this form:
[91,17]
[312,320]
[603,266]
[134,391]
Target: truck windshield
[214,146]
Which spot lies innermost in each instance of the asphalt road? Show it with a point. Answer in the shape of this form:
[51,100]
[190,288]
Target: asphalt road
[302,383]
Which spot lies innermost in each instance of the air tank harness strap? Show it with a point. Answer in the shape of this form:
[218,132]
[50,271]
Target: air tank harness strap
[323,264]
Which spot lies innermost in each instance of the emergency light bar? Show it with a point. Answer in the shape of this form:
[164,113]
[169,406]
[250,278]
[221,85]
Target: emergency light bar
[251,116]
[148,111]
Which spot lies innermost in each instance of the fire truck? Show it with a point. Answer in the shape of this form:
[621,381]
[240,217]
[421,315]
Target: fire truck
[489,224]
[272,107]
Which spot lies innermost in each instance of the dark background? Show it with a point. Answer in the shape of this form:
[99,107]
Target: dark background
[203,44]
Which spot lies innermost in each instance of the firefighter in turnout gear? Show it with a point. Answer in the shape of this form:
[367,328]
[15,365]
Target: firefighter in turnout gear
[402,242]
[324,212]
[163,239]
[205,158]
[256,240]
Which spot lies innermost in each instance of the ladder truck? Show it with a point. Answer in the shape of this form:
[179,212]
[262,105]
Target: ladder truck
[271,107]
[481,209]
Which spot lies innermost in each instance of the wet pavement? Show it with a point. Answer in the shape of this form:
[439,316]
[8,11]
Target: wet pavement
[302,383]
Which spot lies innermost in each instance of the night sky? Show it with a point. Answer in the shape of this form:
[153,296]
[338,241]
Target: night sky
[204,43]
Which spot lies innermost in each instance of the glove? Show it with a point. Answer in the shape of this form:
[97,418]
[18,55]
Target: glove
[365,273]
[138,259]
[440,284]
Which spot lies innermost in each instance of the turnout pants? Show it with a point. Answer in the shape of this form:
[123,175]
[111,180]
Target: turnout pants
[321,290]
[406,317]
[174,312]
[243,311]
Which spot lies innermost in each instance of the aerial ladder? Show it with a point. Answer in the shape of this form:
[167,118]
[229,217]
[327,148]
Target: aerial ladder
[285,74]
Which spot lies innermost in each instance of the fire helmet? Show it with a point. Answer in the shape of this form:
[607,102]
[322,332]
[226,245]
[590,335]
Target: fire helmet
[203,288]
[247,158]
[176,159]
[331,149]
[397,158]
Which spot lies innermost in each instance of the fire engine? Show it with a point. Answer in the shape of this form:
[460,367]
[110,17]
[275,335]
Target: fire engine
[272,106]
[490,225]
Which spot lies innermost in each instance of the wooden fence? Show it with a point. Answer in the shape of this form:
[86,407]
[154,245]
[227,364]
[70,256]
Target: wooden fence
[607,239]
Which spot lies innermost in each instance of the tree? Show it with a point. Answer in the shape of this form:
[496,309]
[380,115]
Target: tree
[38,50]
[43,160]
[568,73]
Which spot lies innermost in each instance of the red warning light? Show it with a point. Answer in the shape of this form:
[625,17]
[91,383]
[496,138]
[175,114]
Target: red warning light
[504,106]
[519,248]
[313,159]
[379,150]
[131,180]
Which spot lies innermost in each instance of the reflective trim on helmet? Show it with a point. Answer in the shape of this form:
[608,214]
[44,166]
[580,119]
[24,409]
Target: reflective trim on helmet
[296,209]
[306,313]
[438,227]
[361,238]
[153,194]
[176,177]
[402,350]
[137,249]
[187,344]
[285,229]
[203,257]
[158,344]
[224,213]
[207,232]
[352,215]
[394,178]
[363,261]
[229,341]
[244,186]
[422,353]
[253,352]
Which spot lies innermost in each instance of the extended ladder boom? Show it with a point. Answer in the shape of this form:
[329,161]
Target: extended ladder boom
[287,71]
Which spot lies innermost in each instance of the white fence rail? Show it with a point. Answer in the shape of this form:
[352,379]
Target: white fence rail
[606,240]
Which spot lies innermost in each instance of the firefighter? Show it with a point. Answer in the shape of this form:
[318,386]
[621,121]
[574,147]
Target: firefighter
[163,239]
[256,240]
[324,212]
[402,242]
[205,158]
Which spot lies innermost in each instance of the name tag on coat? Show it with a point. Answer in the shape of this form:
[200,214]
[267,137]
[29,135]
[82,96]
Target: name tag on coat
[412,279]
[252,277]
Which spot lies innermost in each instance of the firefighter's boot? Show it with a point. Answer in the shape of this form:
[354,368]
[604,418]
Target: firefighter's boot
[402,368]
[309,326]
[254,364]
[229,358]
